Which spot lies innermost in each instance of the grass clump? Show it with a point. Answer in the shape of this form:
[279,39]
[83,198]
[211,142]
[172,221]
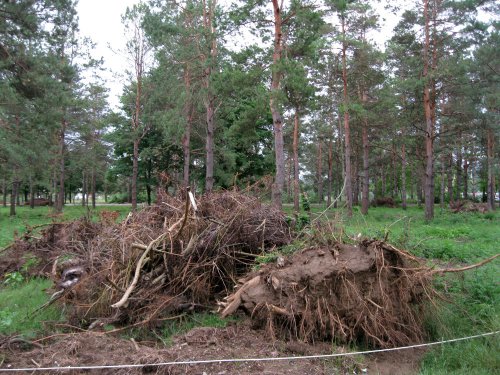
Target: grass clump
[188,322]
[19,300]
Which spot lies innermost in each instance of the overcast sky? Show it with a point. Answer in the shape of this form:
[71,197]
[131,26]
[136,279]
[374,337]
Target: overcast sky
[100,20]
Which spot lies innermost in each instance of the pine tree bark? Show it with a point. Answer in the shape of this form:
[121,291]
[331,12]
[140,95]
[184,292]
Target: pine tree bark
[403,176]
[319,170]
[491,176]
[62,144]
[330,172]
[209,100]
[135,172]
[295,145]
[365,201]
[93,187]
[275,112]
[458,167]
[188,115]
[466,179]
[32,193]
[347,130]
[441,198]
[449,177]
[140,52]
[4,192]
[429,125]
[13,196]
[84,188]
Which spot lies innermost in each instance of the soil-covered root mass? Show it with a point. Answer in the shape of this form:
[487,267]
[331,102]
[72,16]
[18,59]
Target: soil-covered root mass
[372,293]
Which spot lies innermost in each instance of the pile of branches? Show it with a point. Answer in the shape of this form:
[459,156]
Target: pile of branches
[383,202]
[468,206]
[175,256]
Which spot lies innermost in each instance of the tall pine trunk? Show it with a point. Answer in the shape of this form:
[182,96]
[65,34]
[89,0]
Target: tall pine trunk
[441,198]
[347,130]
[62,142]
[319,171]
[209,100]
[279,151]
[491,176]
[188,115]
[449,177]
[4,192]
[403,176]
[32,193]
[93,187]
[135,172]
[458,167]
[429,125]
[84,187]
[466,179]
[365,200]
[330,171]
[296,189]
[13,196]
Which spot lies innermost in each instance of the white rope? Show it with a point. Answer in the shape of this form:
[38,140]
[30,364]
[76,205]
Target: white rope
[236,360]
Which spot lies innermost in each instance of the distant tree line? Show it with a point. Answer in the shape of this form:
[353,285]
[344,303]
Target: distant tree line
[221,95]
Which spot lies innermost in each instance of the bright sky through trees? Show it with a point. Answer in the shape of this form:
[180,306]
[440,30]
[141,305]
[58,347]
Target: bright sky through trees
[101,22]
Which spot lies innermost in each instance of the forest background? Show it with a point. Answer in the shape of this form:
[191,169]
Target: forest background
[304,102]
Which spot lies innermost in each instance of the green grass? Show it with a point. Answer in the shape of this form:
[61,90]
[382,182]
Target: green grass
[19,301]
[15,226]
[186,323]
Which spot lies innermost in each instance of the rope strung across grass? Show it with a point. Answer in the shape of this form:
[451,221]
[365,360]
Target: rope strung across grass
[239,360]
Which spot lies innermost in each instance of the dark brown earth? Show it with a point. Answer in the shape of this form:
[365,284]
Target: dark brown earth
[235,341]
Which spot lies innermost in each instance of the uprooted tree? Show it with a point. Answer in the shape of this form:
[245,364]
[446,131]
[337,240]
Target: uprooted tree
[181,256]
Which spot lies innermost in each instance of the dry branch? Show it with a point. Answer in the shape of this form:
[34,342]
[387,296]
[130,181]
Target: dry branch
[141,262]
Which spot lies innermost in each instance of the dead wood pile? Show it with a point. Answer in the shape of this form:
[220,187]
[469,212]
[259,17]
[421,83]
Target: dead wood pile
[468,206]
[384,202]
[160,261]
[371,293]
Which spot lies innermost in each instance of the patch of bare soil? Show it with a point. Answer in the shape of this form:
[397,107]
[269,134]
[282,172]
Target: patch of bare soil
[235,341]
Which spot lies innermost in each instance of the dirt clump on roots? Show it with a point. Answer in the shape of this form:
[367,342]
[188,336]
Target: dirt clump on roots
[371,293]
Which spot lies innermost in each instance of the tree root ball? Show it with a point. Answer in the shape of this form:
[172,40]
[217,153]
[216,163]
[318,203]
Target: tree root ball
[371,293]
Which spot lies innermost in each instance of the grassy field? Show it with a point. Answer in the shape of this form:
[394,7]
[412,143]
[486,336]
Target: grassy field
[449,240]
[13,226]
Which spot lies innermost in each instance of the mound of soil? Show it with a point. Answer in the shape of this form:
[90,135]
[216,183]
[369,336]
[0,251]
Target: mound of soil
[371,293]
[235,341]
